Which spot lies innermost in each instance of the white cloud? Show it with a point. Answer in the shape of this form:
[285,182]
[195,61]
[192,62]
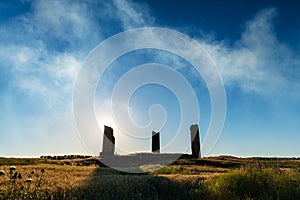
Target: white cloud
[70,21]
[257,61]
[132,15]
[39,73]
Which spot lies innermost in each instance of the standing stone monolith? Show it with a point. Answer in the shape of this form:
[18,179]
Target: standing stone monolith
[155,142]
[195,141]
[108,148]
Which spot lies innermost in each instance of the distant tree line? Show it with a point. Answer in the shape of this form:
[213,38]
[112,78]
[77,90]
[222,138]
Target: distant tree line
[65,157]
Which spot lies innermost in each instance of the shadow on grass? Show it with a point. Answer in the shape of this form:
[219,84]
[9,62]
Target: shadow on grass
[107,183]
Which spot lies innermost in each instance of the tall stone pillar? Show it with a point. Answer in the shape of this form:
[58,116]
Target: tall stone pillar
[195,141]
[155,142]
[108,148]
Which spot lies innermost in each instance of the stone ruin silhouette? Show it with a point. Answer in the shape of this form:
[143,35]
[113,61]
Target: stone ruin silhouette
[155,142]
[108,148]
[195,141]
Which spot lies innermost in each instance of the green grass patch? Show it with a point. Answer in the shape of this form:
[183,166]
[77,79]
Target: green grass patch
[261,184]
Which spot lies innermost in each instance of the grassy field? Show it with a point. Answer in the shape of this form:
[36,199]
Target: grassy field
[221,177]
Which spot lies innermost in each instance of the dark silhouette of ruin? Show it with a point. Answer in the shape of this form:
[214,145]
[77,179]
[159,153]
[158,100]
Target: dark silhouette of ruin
[155,142]
[108,148]
[109,142]
[195,141]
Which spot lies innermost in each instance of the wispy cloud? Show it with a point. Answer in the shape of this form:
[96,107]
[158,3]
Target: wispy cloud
[258,62]
[133,15]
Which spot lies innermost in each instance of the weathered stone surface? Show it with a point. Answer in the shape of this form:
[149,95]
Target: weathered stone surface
[108,147]
[195,141]
[155,142]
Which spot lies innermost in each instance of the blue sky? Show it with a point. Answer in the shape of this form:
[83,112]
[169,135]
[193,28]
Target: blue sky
[255,46]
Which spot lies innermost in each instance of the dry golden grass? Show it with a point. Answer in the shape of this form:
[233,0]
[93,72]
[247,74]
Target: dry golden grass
[208,178]
[54,179]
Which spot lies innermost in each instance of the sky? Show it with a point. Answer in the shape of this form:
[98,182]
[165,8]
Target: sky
[254,45]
